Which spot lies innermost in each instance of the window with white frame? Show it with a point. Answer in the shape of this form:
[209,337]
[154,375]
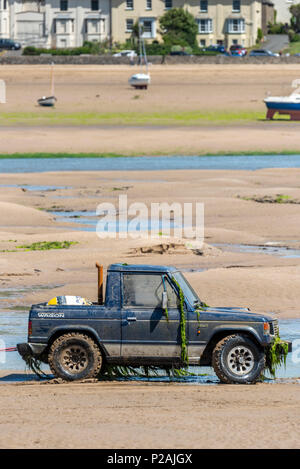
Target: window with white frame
[168,4]
[129,25]
[129,4]
[205,26]
[236,26]
[148,4]
[148,27]
[236,5]
[203,6]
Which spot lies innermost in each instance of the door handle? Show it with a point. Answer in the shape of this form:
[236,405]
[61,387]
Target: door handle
[131,318]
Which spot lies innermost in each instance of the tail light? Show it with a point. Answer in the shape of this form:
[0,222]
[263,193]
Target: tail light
[29,328]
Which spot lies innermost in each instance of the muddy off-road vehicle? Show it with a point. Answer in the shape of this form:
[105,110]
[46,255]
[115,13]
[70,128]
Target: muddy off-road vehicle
[151,316]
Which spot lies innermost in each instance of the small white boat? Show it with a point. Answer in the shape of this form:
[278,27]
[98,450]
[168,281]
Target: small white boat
[47,101]
[50,100]
[141,80]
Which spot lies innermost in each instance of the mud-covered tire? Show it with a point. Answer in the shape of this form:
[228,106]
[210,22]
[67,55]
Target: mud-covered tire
[236,359]
[75,356]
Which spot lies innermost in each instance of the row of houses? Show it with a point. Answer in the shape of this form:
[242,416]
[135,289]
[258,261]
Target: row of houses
[68,23]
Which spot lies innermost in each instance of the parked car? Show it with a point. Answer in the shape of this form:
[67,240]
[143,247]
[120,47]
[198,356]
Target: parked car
[234,53]
[263,53]
[125,53]
[237,47]
[9,44]
[179,52]
[215,48]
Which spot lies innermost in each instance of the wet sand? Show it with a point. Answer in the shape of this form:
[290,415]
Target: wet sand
[264,282]
[128,415]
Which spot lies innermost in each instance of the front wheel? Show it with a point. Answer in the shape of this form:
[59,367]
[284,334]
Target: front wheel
[237,360]
[75,356]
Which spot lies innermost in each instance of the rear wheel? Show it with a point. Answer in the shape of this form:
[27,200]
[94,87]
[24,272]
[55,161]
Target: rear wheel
[236,359]
[75,356]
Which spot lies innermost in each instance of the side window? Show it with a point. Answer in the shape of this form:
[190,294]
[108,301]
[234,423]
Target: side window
[145,290]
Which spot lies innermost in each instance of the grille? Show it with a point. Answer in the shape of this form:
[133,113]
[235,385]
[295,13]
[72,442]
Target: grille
[274,328]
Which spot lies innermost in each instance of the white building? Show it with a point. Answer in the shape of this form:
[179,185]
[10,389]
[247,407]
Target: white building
[54,23]
[282,8]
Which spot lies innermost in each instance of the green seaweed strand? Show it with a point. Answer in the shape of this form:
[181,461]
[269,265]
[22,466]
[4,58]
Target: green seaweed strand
[276,355]
[184,354]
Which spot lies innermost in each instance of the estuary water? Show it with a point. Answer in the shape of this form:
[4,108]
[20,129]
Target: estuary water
[148,163]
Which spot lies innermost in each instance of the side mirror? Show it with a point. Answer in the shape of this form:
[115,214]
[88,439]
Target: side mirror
[164,300]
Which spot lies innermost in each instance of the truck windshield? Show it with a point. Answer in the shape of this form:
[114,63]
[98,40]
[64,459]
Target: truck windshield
[188,291]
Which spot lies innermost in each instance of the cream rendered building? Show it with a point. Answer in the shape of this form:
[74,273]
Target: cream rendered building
[219,21]
[55,23]
[68,23]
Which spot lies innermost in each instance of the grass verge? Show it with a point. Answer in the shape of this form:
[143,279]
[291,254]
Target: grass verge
[182,118]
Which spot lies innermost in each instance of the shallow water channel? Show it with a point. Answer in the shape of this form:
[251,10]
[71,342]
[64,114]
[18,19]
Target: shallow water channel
[148,163]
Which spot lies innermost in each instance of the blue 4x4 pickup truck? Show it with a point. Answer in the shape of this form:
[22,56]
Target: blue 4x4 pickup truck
[148,312]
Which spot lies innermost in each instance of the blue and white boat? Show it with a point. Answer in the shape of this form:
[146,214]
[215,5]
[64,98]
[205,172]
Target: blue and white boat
[285,104]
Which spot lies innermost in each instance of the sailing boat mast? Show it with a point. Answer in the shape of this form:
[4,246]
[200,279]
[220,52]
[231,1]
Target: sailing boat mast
[141,80]
[52,80]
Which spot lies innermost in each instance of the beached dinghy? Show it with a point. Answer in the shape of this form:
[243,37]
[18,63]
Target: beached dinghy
[47,101]
[50,100]
[141,80]
[285,104]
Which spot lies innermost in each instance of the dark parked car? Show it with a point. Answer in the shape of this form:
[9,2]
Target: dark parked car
[263,53]
[238,48]
[9,44]
[215,48]
[179,52]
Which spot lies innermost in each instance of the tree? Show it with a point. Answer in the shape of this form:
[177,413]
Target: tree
[178,27]
[295,11]
[135,34]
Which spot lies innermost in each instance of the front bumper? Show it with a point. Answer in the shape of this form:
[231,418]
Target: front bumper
[31,349]
[290,346]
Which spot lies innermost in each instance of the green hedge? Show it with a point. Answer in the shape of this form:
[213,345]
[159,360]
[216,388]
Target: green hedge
[86,48]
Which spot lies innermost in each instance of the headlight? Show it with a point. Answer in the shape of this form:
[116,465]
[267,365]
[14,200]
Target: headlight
[266,328]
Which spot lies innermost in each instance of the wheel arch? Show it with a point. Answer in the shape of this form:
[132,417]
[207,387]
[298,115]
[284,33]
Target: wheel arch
[220,334]
[82,330]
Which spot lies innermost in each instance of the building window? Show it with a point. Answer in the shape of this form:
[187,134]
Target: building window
[148,4]
[147,27]
[205,26]
[95,5]
[168,4]
[129,25]
[236,26]
[4,4]
[63,5]
[204,6]
[129,4]
[202,42]
[236,6]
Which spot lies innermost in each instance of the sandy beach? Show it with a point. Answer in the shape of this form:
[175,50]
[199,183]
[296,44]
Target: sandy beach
[242,208]
[159,416]
[101,94]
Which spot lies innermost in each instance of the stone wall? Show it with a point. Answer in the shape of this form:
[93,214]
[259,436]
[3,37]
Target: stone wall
[168,60]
